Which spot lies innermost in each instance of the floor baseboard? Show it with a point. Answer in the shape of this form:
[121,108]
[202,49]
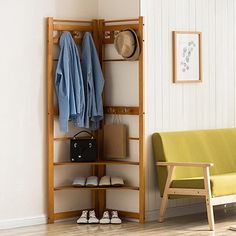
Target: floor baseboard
[21,222]
[150,215]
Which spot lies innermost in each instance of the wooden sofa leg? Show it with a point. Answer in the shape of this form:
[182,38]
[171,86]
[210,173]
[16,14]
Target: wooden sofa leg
[209,206]
[163,207]
[210,213]
[164,200]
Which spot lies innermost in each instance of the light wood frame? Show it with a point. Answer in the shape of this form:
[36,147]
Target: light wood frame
[98,28]
[205,192]
[175,79]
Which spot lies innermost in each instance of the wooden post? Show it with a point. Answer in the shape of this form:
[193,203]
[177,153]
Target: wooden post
[209,206]
[101,168]
[141,128]
[164,200]
[50,121]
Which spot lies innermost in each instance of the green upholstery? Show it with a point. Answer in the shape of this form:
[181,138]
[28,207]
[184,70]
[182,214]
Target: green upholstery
[216,146]
[224,184]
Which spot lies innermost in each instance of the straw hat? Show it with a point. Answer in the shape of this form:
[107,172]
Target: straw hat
[127,44]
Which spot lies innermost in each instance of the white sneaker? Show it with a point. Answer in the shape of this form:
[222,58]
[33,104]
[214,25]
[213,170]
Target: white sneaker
[83,218]
[105,181]
[79,181]
[117,181]
[115,218]
[105,218]
[92,181]
[92,218]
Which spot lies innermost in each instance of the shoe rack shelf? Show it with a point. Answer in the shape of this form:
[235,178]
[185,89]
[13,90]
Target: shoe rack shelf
[68,138]
[71,187]
[103,34]
[96,163]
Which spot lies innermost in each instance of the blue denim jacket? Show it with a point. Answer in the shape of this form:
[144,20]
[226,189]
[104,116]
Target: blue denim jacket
[93,83]
[69,84]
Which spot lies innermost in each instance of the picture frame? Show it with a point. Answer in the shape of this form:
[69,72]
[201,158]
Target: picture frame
[187,57]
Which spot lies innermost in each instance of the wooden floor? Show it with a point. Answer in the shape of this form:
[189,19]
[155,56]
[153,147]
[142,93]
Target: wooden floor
[185,225]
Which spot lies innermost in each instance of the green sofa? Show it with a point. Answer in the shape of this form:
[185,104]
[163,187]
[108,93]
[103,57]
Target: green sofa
[196,163]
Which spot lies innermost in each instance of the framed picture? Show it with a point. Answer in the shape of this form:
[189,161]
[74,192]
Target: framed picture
[187,57]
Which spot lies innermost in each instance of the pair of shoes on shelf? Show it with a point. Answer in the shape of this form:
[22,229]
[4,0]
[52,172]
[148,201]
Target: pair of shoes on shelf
[92,181]
[82,181]
[106,219]
[111,181]
[90,217]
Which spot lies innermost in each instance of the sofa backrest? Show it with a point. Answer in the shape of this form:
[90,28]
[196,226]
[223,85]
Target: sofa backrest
[216,146]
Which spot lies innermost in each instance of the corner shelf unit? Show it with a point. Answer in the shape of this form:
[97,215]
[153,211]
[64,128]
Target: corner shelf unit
[103,34]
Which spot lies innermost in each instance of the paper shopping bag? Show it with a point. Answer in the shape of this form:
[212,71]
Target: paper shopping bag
[115,139]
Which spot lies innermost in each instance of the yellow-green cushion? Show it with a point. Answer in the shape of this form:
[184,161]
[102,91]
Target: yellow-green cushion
[221,185]
[216,146]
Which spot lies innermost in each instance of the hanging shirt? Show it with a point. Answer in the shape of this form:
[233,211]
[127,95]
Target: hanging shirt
[69,84]
[93,83]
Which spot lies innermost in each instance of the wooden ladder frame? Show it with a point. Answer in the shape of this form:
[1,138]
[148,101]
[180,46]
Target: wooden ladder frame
[98,28]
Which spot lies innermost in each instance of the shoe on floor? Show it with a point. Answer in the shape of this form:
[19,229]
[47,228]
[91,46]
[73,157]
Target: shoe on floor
[232,227]
[92,218]
[83,218]
[115,218]
[117,181]
[92,181]
[79,181]
[105,218]
[105,181]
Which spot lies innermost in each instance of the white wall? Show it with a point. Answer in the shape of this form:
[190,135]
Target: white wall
[23,104]
[122,9]
[171,106]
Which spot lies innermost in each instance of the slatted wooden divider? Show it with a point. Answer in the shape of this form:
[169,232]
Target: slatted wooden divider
[99,30]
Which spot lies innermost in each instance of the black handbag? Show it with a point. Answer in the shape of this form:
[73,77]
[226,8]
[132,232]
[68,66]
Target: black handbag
[83,149]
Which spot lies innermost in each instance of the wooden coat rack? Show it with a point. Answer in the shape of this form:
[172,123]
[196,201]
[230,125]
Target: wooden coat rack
[103,33]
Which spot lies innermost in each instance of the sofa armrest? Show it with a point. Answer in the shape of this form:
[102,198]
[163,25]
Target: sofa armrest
[185,164]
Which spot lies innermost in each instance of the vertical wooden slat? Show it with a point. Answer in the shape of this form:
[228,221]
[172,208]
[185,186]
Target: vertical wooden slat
[95,194]
[101,193]
[209,206]
[141,128]
[164,200]
[50,151]
[101,168]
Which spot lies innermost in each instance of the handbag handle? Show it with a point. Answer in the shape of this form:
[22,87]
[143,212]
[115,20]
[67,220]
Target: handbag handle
[83,131]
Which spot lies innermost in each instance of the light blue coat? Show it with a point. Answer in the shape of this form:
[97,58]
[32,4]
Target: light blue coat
[93,83]
[69,84]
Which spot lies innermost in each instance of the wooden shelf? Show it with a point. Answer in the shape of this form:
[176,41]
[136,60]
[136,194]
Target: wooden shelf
[97,163]
[123,20]
[72,27]
[69,138]
[71,187]
[122,60]
[118,110]
[57,39]
[120,27]
[121,110]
